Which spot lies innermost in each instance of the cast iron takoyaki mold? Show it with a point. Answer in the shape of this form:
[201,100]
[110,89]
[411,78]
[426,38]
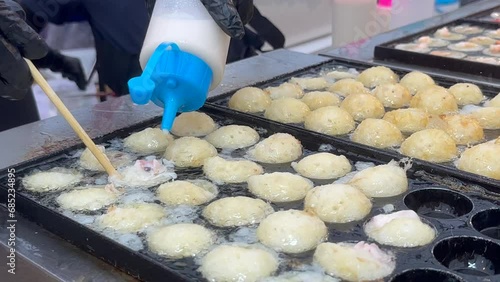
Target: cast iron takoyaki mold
[465,216]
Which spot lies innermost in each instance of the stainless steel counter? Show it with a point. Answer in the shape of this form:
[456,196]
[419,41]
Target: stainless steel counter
[42,256]
[364,50]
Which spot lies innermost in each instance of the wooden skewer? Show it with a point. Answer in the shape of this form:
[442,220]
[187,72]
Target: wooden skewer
[100,156]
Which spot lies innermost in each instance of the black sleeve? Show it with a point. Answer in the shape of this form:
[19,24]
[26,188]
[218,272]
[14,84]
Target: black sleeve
[41,12]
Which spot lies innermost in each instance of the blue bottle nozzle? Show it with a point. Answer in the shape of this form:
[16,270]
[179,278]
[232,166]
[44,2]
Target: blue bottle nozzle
[173,79]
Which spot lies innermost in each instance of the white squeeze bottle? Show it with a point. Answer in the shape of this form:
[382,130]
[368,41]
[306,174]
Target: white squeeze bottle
[183,57]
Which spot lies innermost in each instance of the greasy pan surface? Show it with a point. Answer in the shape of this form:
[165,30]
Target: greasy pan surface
[457,210]
[444,169]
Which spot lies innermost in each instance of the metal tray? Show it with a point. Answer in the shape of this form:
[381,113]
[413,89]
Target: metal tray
[485,16]
[387,51]
[445,169]
[463,214]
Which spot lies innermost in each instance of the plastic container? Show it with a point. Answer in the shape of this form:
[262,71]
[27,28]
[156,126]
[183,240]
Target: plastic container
[355,20]
[445,6]
[183,57]
[406,12]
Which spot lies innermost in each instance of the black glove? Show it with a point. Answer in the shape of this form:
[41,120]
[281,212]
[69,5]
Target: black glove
[230,15]
[70,68]
[17,40]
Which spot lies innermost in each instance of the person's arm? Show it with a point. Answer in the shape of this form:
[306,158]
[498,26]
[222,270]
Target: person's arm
[17,40]
[37,18]
[41,12]
[230,15]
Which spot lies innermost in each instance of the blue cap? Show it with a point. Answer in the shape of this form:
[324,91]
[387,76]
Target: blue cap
[446,2]
[173,79]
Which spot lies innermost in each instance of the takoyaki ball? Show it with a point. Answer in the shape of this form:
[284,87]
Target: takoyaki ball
[466,94]
[337,203]
[189,152]
[143,173]
[236,211]
[132,217]
[449,54]
[493,33]
[87,198]
[482,159]
[323,166]
[433,145]
[277,148]
[53,180]
[363,106]
[148,141]
[392,95]
[444,33]
[378,75]
[310,83]
[348,86]
[400,229]
[221,170]
[292,231]
[413,47]
[432,42]
[488,117]
[318,99]
[483,59]
[233,137]
[287,110]
[300,276]
[483,40]
[494,51]
[330,120]
[463,129]
[355,261]
[89,161]
[494,102]
[381,181]
[180,240]
[415,81]
[465,47]
[194,124]
[285,90]
[192,192]
[250,100]
[279,187]
[467,29]
[377,133]
[336,74]
[435,100]
[228,263]
[408,120]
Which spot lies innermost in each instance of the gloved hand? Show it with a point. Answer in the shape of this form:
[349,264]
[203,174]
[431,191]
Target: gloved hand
[17,40]
[70,68]
[230,15]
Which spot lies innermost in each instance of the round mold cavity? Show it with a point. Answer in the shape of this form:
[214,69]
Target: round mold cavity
[488,223]
[422,274]
[469,255]
[438,203]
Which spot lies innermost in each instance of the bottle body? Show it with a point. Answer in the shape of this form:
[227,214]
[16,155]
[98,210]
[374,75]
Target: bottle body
[354,20]
[189,25]
[406,12]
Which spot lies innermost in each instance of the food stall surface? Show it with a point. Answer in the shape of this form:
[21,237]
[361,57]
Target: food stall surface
[47,255]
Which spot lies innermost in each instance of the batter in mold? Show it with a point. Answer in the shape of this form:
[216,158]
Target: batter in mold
[249,100]
[400,229]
